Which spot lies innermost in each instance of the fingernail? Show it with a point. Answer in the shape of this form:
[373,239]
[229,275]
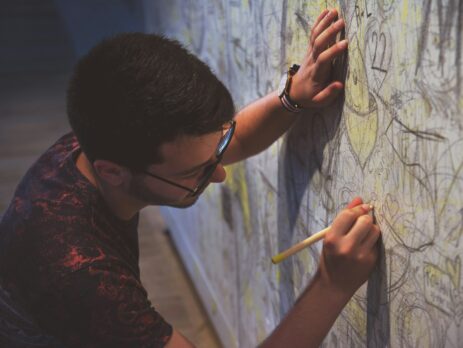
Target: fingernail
[367,207]
[342,44]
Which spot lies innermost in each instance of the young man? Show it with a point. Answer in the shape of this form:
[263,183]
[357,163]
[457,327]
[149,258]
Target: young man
[152,125]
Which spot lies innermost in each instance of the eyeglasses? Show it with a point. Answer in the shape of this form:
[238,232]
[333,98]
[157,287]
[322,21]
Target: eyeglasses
[209,169]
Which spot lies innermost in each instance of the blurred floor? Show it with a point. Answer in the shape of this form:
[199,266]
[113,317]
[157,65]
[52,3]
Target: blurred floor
[32,117]
[168,284]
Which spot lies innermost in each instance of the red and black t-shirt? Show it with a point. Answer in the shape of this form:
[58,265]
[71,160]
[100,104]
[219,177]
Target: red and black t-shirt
[70,265]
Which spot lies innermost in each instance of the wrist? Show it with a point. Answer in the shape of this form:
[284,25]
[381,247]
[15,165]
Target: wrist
[280,109]
[336,290]
[284,89]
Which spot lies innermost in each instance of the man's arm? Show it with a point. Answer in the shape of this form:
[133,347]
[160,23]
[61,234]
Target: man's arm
[348,257]
[177,340]
[264,121]
[257,126]
[310,319]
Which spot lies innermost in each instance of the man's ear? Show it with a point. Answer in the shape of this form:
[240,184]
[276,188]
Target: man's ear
[112,173]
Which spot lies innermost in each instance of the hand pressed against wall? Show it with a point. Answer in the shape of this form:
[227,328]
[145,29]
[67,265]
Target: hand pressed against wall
[311,86]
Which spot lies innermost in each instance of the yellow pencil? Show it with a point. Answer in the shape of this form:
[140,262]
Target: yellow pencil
[299,246]
[307,242]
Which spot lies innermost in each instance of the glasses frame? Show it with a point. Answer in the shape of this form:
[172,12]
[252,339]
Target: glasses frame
[209,169]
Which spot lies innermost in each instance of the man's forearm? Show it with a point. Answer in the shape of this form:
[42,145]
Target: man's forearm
[258,126]
[311,318]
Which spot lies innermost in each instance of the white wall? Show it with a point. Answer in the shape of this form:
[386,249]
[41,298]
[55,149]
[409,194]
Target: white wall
[396,140]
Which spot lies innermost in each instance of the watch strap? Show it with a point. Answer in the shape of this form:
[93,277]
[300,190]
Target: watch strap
[285,99]
[289,105]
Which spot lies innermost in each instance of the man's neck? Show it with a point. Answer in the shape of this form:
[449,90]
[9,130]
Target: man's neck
[120,204]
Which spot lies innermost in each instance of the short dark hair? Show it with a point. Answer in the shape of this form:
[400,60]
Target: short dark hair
[134,92]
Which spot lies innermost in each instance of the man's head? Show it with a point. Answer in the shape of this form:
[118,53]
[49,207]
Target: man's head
[134,97]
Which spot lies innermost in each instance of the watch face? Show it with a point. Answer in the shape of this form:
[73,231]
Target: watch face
[282,85]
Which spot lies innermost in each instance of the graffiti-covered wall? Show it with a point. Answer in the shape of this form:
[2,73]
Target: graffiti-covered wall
[396,139]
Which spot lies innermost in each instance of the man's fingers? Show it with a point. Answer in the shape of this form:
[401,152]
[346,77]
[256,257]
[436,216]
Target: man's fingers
[361,229]
[346,219]
[356,201]
[372,237]
[320,17]
[327,95]
[329,54]
[327,37]
[324,23]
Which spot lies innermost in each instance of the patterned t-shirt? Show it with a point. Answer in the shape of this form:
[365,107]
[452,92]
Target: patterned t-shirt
[69,265]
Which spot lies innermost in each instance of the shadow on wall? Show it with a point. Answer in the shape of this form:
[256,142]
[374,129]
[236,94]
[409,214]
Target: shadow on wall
[301,157]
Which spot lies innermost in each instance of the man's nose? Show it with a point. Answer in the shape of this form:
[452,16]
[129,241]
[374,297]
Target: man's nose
[219,174]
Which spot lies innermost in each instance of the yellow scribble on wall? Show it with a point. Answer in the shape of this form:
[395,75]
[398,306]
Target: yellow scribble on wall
[261,332]
[270,197]
[357,95]
[433,273]
[404,11]
[296,276]
[316,7]
[440,283]
[299,12]
[362,131]
[306,260]
[251,308]
[361,112]
[248,299]
[417,328]
[454,223]
[236,180]
[453,268]
[417,107]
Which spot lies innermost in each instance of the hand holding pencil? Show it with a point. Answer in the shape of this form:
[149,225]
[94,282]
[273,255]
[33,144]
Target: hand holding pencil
[349,249]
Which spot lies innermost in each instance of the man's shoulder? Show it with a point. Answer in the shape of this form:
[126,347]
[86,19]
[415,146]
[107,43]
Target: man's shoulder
[52,189]
[55,155]
[46,226]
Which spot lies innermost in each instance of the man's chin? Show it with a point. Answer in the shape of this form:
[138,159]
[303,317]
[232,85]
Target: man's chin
[186,203]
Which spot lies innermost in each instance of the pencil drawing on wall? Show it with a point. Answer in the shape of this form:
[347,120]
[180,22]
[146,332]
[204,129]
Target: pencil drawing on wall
[395,138]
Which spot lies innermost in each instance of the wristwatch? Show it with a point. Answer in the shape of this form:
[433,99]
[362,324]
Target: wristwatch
[284,88]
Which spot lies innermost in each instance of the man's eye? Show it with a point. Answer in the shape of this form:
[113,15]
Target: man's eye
[192,175]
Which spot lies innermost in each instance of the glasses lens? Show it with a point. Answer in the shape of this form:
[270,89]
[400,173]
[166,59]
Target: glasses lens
[225,140]
[208,171]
